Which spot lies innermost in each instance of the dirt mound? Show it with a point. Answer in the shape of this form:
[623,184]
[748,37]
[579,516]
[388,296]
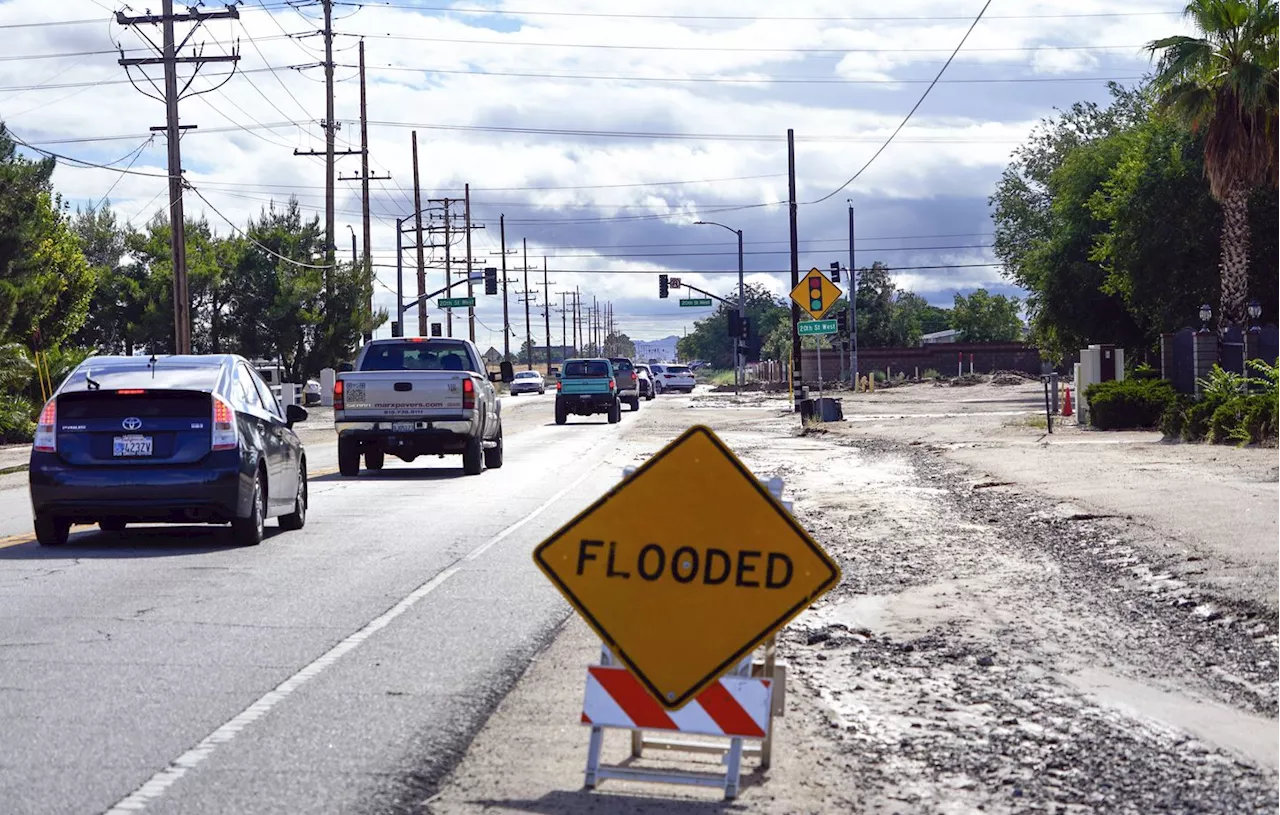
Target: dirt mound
[967,380]
[1010,378]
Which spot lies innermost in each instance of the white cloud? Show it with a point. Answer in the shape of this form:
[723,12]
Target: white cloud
[953,149]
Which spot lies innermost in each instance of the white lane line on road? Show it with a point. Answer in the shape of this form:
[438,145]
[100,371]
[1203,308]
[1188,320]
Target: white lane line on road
[158,784]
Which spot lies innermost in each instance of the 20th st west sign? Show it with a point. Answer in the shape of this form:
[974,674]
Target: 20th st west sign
[683,599]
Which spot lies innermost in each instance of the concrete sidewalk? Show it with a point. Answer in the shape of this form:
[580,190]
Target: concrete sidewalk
[14,457]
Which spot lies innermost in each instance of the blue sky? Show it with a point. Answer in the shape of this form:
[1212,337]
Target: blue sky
[576,119]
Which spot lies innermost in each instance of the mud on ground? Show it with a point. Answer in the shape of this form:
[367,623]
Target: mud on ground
[989,649]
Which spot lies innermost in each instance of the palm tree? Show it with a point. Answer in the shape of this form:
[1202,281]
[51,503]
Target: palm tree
[1224,82]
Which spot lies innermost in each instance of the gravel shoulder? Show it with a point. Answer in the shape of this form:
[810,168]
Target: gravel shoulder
[993,646]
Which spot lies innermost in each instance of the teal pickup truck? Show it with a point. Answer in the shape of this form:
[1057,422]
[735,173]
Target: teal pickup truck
[585,387]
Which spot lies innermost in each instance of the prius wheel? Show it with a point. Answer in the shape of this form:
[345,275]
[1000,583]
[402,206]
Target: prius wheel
[250,531]
[298,518]
[51,530]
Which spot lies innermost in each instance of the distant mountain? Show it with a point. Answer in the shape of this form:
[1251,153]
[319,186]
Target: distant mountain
[661,350]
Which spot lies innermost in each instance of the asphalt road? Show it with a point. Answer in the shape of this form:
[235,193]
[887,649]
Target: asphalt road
[342,668]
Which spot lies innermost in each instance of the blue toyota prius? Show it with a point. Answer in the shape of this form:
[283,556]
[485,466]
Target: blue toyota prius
[172,439]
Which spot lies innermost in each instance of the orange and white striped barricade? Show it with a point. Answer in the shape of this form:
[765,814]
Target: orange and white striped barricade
[737,707]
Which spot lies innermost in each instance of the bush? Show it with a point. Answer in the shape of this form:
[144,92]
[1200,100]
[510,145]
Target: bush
[16,420]
[1175,417]
[1224,419]
[1259,424]
[1129,404]
[930,373]
[1195,423]
[1144,371]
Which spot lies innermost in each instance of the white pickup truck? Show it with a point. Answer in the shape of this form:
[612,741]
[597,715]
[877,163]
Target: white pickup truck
[416,396]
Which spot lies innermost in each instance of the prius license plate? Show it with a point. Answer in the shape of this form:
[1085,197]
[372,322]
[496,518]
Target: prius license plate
[125,446]
[403,427]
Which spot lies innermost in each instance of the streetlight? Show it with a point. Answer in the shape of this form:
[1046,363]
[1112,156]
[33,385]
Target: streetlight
[1206,313]
[739,374]
[1255,312]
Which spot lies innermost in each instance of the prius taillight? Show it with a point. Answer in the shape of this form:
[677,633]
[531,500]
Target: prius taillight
[46,440]
[224,435]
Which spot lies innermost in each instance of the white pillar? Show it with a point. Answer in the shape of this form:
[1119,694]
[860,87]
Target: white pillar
[327,377]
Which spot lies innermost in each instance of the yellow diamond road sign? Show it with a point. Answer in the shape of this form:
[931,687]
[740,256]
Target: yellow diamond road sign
[816,294]
[686,566]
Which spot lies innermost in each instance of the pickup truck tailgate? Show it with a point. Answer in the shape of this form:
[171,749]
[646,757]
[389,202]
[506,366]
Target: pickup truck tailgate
[577,387]
[415,394]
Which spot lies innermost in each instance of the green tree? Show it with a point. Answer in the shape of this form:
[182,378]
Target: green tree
[1224,82]
[1045,232]
[984,317]
[115,311]
[620,345]
[45,282]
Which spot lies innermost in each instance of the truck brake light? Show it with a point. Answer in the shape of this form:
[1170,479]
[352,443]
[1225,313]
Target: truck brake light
[613,386]
[468,394]
[559,385]
[46,440]
[337,395]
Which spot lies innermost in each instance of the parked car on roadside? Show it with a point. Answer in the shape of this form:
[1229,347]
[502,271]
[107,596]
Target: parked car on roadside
[646,381]
[417,396]
[528,382]
[673,378]
[175,439]
[587,387]
[628,381]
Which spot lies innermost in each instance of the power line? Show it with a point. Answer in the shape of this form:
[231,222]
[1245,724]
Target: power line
[731,49]
[768,80]
[911,112]
[510,12]
[246,235]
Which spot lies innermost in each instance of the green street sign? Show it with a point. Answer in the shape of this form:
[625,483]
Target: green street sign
[817,327]
[696,301]
[455,302]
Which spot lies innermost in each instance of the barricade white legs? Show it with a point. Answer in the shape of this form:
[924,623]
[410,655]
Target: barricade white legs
[747,707]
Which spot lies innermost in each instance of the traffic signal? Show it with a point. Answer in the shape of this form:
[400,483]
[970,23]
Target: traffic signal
[395,329]
[835,272]
[491,281]
[842,319]
[662,287]
[437,330]
[815,295]
[735,324]
[746,329]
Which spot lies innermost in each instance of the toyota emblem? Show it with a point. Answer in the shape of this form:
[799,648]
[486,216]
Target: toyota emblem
[131,423]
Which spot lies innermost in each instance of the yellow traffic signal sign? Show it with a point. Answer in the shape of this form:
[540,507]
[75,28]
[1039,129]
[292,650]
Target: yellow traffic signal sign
[816,294]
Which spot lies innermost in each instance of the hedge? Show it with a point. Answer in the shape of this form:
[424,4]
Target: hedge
[1129,404]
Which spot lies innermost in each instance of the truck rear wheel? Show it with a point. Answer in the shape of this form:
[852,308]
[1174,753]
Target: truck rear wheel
[473,456]
[635,403]
[561,415]
[615,412]
[493,456]
[348,457]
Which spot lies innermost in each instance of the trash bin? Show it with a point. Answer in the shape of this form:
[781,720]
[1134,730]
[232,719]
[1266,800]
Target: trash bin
[831,410]
[806,409]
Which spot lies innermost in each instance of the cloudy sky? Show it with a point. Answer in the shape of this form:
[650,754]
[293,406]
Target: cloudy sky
[602,131]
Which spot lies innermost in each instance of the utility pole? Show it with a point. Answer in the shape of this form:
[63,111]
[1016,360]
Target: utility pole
[423,328]
[577,348]
[796,378]
[329,131]
[853,307]
[448,268]
[365,177]
[355,258]
[595,324]
[506,314]
[546,308]
[168,57]
[330,153]
[471,310]
[528,331]
[564,323]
